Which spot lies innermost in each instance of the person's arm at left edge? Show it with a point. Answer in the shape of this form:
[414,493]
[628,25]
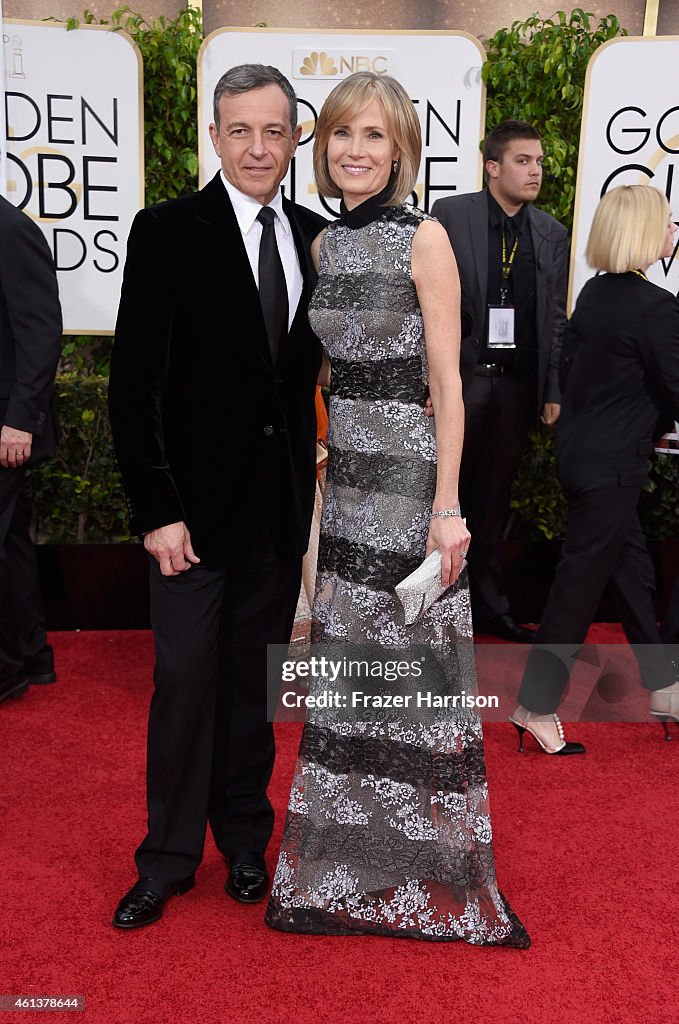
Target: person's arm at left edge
[552,396]
[438,291]
[31,297]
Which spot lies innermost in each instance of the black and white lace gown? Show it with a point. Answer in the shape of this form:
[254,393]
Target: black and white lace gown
[388,828]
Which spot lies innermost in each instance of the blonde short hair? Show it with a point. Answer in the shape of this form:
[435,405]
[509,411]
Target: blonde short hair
[628,230]
[350,98]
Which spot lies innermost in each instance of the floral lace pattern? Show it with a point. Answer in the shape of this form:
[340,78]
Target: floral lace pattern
[375,425]
[388,828]
[387,379]
[389,474]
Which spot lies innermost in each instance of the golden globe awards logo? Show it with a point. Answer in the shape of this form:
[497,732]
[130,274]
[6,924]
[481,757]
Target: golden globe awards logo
[629,131]
[63,160]
[73,139]
[337,64]
[630,136]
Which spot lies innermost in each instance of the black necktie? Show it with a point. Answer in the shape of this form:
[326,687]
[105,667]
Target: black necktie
[273,291]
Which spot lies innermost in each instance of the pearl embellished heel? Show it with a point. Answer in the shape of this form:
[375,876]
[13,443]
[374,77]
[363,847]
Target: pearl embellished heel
[522,720]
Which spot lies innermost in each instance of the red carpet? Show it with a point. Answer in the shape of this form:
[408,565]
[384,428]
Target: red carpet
[586,853]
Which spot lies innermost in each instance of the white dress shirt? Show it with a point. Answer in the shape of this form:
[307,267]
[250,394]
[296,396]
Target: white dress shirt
[246,209]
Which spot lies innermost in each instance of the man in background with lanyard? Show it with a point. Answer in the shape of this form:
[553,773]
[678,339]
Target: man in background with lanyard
[513,263]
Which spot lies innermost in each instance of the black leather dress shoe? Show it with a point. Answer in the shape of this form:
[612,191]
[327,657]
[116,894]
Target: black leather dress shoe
[40,678]
[248,881]
[39,668]
[13,687]
[505,627]
[146,900]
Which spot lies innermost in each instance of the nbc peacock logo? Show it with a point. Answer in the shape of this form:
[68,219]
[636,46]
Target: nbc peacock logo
[325,64]
[318,64]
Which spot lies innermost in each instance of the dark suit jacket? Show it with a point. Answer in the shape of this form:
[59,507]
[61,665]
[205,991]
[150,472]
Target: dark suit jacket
[206,430]
[465,218]
[30,329]
[620,370]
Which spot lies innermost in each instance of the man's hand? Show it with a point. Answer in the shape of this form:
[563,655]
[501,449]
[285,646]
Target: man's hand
[171,547]
[550,413]
[15,447]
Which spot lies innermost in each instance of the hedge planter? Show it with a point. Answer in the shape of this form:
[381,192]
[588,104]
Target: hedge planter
[94,586]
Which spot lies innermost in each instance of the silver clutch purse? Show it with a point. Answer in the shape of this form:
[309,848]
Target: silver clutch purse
[418,592]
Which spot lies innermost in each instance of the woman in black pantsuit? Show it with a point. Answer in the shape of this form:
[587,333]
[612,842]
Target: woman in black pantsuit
[621,360]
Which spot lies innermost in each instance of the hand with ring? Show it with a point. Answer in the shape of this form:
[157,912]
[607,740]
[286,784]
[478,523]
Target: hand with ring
[15,447]
[451,536]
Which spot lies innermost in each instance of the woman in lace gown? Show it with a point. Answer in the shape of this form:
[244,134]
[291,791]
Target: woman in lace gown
[388,829]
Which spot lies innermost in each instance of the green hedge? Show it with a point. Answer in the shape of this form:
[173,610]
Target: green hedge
[77,494]
[535,71]
[538,510]
[79,497]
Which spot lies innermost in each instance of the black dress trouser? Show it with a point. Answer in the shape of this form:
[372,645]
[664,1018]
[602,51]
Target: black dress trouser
[210,747]
[23,642]
[604,544]
[499,412]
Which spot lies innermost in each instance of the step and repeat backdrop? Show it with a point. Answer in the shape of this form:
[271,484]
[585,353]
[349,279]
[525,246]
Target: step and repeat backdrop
[74,158]
[73,131]
[629,136]
[440,70]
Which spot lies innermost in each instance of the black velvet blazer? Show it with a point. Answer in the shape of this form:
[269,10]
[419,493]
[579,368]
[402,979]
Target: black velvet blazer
[30,330]
[205,428]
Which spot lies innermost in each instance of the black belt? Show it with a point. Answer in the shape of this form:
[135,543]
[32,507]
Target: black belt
[491,370]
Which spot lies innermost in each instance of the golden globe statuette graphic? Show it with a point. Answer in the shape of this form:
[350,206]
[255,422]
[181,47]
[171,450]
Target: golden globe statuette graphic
[15,68]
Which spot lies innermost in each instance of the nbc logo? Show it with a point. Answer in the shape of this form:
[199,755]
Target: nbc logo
[318,64]
[340,63]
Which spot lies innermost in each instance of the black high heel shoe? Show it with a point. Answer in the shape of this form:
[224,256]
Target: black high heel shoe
[564,746]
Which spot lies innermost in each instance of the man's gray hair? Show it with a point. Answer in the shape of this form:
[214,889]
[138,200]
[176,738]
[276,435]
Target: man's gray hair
[246,77]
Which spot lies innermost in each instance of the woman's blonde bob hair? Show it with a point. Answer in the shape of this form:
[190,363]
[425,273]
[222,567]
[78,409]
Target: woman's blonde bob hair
[628,230]
[350,98]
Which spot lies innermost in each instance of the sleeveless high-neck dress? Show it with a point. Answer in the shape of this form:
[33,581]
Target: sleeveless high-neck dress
[388,829]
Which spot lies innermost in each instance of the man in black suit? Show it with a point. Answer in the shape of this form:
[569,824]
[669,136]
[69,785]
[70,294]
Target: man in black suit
[512,260]
[212,409]
[30,341]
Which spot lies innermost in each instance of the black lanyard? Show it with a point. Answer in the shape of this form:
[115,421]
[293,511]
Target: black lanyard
[507,263]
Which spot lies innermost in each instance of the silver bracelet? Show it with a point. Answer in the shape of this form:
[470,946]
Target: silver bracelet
[445,513]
